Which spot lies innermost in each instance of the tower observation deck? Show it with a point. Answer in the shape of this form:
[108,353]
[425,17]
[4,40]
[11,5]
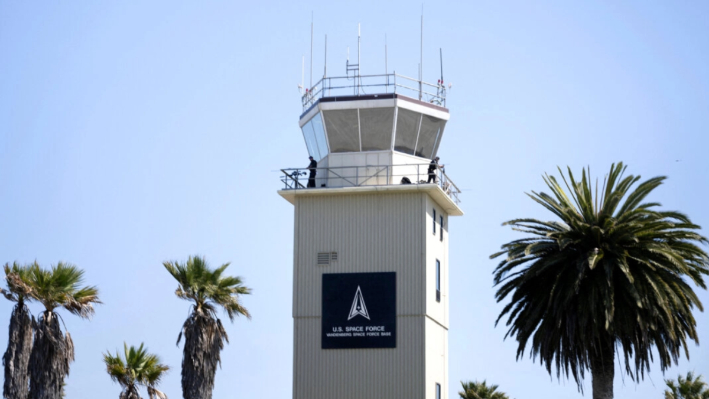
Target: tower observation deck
[370,253]
[372,130]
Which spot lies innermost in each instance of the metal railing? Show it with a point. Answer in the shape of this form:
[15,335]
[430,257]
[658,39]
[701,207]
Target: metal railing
[362,85]
[369,175]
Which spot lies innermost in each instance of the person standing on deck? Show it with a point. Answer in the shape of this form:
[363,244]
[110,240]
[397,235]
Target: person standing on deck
[432,169]
[313,171]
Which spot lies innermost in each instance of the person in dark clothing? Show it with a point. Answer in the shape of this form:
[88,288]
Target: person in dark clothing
[432,169]
[313,171]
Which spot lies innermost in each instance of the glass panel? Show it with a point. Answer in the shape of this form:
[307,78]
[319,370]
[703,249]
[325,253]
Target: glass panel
[441,228]
[438,275]
[342,130]
[407,126]
[313,141]
[310,141]
[438,140]
[317,126]
[428,135]
[376,125]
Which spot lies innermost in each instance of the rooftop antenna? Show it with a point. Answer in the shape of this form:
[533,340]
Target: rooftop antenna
[359,35]
[302,77]
[421,62]
[312,13]
[354,67]
[441,87]
[441,51]
[386,68]
[324,75]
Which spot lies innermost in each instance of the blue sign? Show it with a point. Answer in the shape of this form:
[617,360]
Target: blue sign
[359,310]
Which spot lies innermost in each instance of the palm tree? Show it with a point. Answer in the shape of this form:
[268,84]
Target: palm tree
[203,331]
[137,367]
[687,388]
[53,351]
[19,343]
[480,390]
[613,272]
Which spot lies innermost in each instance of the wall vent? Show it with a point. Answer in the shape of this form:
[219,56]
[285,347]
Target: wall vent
[325,258]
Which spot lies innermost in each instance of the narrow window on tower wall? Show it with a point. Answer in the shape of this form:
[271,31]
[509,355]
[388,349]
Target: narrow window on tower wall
[438,280]
[438,391]
[434,221]
[441,227]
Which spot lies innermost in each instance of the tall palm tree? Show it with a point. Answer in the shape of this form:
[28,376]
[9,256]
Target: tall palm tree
[19,343]
[53,350]
[687,388]
[136,368]
[612,272]
[480,390]
[203,331]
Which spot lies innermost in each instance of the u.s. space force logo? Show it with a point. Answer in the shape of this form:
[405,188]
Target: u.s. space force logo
[350,322]
[358,307]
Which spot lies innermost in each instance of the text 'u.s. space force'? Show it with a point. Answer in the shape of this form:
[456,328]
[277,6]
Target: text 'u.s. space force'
[359,331]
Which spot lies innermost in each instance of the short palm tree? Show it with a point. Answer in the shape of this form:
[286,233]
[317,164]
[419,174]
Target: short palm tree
[53,350]
[611,272]
[19,343]
[136,368]
[203,331]
[480,390]
[687,388]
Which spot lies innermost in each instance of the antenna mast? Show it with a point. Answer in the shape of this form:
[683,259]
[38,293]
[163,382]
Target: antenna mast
[441,51]
[325,73]
[302,76]
[386,68]
[421,63]
[311,50]
[359,40]
[355,67]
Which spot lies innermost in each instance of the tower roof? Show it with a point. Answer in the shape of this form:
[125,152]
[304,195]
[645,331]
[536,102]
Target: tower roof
[344,118]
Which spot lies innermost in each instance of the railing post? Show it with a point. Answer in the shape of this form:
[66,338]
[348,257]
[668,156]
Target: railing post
[357,176]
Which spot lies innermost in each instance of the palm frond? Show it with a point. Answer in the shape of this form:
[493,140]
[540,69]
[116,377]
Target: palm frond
[480,390]
[61,286]
[690,387]
[137,367]
[204,333]
[609,272]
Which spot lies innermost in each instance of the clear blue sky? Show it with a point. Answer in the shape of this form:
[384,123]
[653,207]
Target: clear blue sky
[137,132]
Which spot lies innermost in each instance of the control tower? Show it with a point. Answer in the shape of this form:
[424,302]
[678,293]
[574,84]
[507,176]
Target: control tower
[370,262]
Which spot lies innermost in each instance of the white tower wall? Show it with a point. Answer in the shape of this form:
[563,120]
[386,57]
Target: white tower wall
[389,229]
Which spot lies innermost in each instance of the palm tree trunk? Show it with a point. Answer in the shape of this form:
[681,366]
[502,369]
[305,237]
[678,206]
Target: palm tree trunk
[17,355]
[204,340]
[51,354]
[603,369]
[130,393]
